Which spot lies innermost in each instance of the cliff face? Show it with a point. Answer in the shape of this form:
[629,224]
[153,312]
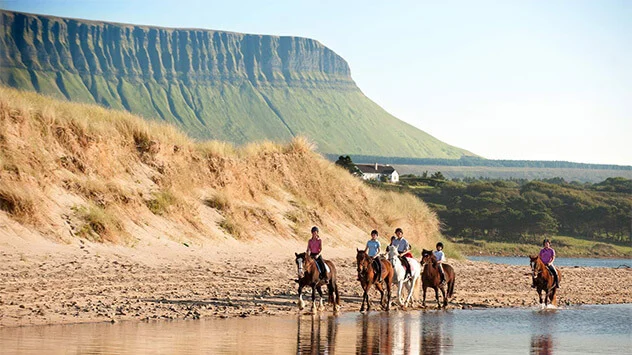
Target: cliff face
[213,84]
[161,54]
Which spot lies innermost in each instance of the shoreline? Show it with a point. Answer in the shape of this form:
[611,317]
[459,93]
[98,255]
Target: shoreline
[95,283]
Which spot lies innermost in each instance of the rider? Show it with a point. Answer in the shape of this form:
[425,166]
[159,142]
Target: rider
[314,248]
[403,248]
[373,250]
[547,255]
[440,260]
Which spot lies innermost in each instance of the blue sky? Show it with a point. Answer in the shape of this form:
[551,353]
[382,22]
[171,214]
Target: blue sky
[535,80]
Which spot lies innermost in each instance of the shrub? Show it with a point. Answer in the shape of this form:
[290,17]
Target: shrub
[99,225]
[161,202]
[18,203]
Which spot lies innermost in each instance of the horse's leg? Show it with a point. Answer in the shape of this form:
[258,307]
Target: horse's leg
[437,296]
[540,295]
[337,299]
[320,293]
[314,298]
[411,290]
[380,288]
[301,303]
[364,297]
[400,288]
[388,293]
[445,299]
[423,302]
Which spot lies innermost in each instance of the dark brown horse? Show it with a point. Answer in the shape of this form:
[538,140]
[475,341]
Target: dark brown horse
[544,281]
[367,275]
[308,275]
[430,277]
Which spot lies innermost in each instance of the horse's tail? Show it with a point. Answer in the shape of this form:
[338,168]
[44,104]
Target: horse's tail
[449,269]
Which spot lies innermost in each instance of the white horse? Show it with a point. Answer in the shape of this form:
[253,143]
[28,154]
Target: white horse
[400,274]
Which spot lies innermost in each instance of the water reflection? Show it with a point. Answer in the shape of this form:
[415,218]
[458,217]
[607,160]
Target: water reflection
[402,333]
[543,325]
[435,336]
[315,338]
[587,329]
[542,344]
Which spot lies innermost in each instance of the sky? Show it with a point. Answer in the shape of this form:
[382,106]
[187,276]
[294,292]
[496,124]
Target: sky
[505,79]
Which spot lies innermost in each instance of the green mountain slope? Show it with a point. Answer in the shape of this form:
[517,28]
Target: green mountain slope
[212,84]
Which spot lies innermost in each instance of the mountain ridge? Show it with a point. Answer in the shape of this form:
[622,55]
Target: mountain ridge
[213,84]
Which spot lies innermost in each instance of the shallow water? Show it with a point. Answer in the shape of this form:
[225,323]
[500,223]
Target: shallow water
[584,262]
[586,329]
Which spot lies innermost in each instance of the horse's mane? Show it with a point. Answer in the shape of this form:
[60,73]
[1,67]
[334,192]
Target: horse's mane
[303,256]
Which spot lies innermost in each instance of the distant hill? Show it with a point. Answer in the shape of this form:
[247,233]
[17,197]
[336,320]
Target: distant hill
[212,84]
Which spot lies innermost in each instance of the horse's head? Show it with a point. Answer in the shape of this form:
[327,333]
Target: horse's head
[362,260]
[427,256]
[300,262]
[392,253]
[537,266]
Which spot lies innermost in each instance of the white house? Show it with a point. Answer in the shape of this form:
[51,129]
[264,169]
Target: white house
[378,172]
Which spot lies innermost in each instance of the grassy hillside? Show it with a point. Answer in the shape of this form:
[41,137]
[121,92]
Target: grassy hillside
[211,84]
[72,171]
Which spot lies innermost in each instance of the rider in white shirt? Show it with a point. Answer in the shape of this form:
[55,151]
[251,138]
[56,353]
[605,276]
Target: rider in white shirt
[440,260]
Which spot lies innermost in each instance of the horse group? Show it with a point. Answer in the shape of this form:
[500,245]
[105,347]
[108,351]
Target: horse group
[390,272]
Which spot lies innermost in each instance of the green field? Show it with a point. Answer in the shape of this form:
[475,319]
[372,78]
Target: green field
[564,246]
[527,173]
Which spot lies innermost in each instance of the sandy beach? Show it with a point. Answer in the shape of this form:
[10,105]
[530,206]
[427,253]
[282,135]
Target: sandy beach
[87,282]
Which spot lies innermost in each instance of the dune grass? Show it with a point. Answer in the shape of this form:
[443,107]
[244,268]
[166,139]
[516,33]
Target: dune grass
[118,169]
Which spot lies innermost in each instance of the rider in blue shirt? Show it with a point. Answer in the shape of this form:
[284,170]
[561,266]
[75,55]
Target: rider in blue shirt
[373,250]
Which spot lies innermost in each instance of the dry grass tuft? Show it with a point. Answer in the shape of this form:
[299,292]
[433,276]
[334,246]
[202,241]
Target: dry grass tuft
[99,225]
[161,202]
[18,202]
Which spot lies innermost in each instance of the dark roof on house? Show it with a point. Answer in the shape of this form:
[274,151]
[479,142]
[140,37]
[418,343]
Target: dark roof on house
[370,169]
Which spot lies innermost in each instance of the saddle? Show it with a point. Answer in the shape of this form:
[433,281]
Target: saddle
[327,269]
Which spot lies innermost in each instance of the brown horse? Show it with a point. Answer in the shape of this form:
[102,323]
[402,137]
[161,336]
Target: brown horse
[367,275]
[308,275]
[430,277]
[544,280]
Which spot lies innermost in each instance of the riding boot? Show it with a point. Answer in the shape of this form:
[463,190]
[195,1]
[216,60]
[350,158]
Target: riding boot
[442,276]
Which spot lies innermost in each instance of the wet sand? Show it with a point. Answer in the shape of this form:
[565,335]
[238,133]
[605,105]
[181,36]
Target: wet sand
[91,283]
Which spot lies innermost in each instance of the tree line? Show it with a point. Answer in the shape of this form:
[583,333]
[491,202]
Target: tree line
[512,210]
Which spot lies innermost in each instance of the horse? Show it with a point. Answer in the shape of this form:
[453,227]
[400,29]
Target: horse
[430,277]
[544,280]
[367,275]
[400,275]
[308,275]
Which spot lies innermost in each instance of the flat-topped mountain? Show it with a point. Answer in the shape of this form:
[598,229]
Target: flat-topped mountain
[212,84]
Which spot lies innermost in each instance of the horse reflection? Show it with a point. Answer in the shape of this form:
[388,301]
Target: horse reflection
[542,344]
[369,340]
[314,337]
[433,337]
